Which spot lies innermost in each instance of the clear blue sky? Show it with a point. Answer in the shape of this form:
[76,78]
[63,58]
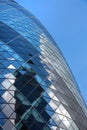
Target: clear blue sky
[66,20]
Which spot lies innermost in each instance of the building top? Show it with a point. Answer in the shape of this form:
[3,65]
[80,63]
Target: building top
[8,1]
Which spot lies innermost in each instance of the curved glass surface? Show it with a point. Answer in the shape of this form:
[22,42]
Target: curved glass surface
[38,91]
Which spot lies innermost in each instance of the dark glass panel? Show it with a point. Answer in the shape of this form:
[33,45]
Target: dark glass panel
[33,96]
[2,115]
[2,100]
[37,126]
[41,104]
[45,115]
[7,34]
[2,121]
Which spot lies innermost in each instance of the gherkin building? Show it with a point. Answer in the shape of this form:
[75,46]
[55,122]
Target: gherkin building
[37,88]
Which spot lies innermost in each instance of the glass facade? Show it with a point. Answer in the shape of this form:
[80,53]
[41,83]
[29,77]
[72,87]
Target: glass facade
[37,88]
